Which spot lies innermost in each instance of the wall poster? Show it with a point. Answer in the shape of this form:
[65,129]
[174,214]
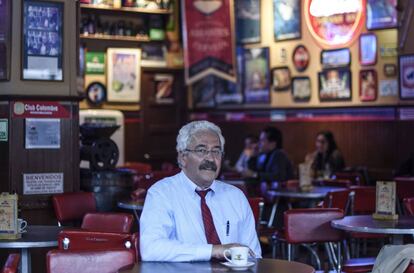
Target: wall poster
[42,43]
[287,21]
[208,39]
[368,85]
[301,89]
[335,85]
[247,21]
[256,75]
[381,14]
[406,64]
[5,38]
[368,49]
[124,74]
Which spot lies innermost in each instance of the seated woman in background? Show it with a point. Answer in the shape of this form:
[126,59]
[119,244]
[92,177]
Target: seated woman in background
[327,159]
[250,149]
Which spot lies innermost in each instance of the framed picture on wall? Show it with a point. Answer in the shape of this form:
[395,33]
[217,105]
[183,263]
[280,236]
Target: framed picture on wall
[123,74]
[229,92]
[381,14]
[96,93]
[42,41]
[301,58]
[390,70]
[301,89]
[368,85]
[256,75]
[368,49]
[335,84]
[5,38]
[287,19]
[335,58]
[247,21]
[281,78]
[203,92]
[163,89]
[406,67]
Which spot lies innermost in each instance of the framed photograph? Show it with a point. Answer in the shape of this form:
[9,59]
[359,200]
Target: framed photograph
[406,66]
[281,78]
[388,88]
[301,89]
[229,92]
[96,93]
[164,91]
[247,21]
[368,85]
[287,19]
[301,58]
[204,92]
[153,55]
[381,14]
[368,49]
[390,70]
[256,75]
[335,58]
[42,41]
[335,85]
[5,39]
[124,74]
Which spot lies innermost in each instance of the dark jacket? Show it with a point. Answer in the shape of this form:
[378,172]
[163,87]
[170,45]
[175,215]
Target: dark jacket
[273,166]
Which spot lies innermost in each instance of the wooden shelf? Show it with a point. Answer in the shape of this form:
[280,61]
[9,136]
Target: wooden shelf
[125,9]
[116,38]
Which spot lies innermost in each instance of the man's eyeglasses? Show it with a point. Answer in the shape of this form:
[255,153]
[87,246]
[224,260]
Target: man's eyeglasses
[202,152]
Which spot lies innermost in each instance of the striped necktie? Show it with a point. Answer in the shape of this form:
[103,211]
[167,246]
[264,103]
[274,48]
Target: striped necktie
[209,228]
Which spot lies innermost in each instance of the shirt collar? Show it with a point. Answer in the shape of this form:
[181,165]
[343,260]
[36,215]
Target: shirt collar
[191,187]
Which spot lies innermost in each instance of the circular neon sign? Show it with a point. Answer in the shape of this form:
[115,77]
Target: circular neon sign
[334,23]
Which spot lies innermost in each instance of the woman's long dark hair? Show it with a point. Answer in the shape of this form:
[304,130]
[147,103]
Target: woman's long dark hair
[322,159]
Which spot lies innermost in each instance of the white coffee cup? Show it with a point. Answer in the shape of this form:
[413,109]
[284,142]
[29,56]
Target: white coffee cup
[238,255]
[21,225]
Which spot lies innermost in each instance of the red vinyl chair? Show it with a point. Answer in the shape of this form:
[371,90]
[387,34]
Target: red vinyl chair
[257,205]
[12,263]
[108,222]
[92,240]
[72,206]
[139,167]
[343,183]
[355,178]
[409,206]
[337,199]
[306,226]
[405,189]
[88,261]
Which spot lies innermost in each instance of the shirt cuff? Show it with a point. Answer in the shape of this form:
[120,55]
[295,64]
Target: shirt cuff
[203,253]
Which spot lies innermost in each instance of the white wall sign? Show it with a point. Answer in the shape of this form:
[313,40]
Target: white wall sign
[42,133]
[42,183]
[4,129]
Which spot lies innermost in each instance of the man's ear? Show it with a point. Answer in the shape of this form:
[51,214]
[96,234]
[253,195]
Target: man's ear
[182,159]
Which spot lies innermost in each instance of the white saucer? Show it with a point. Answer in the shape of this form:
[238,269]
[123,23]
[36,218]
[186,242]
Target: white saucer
[238,267]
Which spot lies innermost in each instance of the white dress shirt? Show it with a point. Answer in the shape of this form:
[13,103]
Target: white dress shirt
[171,224]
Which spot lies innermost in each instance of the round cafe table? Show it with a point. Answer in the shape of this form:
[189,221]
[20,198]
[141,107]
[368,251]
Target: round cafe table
[135,206]
[34,237]
[262,266]
[365,223]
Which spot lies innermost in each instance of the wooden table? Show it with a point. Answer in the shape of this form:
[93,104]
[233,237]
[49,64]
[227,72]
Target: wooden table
[34,237]
[262,266]
[365,223]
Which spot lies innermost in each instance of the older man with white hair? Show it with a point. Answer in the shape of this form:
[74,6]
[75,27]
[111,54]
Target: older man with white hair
[191,216]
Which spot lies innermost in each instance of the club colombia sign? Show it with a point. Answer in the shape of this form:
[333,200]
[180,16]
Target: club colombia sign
[334,23]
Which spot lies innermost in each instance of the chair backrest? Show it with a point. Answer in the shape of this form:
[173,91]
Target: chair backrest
[337,199]
[362,200]
[72,206]
[12,263]
[88,261]
[404,187]
[312,225]
[410,268]
[92,240]
[409,205]
[257,205]
[355,177]
[108,222]
[343,183]
[139,167]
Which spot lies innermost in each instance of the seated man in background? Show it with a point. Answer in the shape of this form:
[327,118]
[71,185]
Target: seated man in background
[191,216]
[250,149]
[272,163]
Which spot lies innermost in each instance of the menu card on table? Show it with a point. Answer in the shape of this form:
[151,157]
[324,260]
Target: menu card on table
[385,201]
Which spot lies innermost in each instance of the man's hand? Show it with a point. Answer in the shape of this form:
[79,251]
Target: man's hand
[218,250]
[249,174]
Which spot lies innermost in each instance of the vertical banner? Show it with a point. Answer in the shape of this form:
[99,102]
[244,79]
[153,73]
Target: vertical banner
[209,45]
